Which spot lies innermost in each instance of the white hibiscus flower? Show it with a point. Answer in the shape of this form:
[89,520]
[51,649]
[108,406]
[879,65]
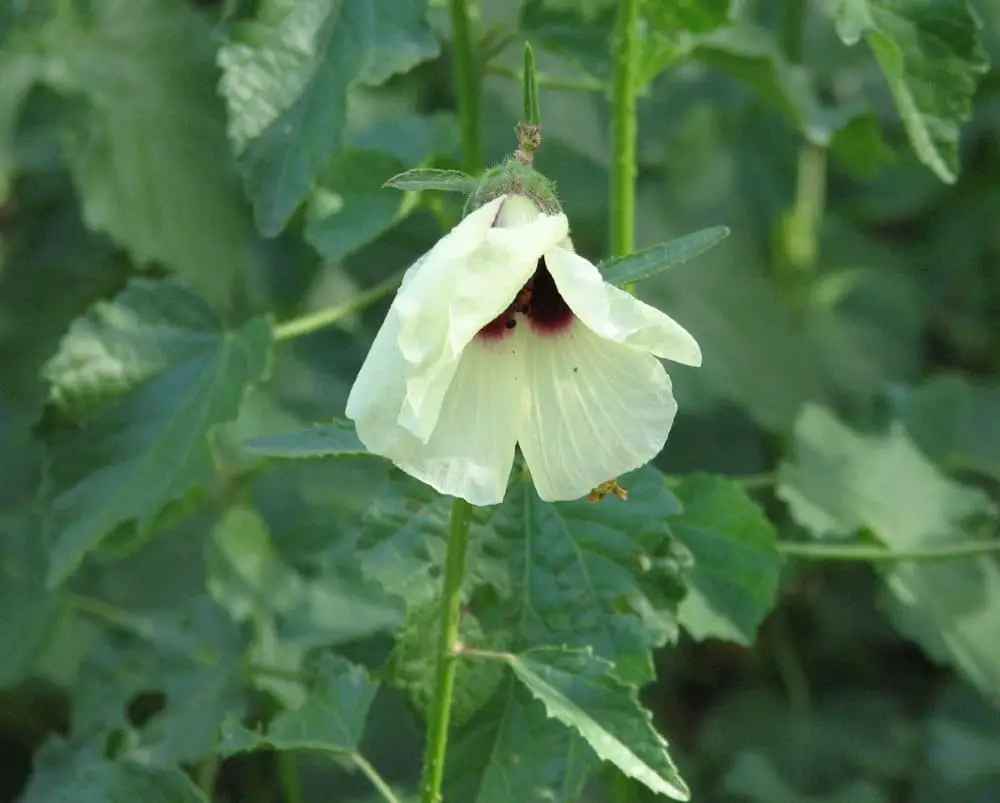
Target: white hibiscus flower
[501,335]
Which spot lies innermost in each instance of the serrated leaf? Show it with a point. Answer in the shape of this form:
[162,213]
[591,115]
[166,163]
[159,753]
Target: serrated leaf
[148,151]
[930,54]
[513,753]
[583,693]
[605,575]
[193,655]
[839,481]
[734,582]
[425,178]
[322,440]
[651,261]
[67,774]
[146,377]
[286,79]
[331,718]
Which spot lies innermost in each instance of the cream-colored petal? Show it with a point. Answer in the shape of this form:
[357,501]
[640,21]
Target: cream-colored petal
[378,391]
[595,409]
[435,333]
[470,452]
[617,315]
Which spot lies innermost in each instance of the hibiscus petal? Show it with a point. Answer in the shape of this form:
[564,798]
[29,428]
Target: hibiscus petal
[471,450]
[617,315]
[471,293]
[595,409]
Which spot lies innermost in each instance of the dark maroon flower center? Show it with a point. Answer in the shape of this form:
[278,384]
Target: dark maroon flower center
[538,302]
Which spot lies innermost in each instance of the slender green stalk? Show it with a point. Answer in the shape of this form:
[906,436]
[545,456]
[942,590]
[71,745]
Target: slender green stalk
[447,653]
[624,124]
[290,784]
[307,324]
[467,87]
[376,780]
[551,81]
[874,554]
[532,109]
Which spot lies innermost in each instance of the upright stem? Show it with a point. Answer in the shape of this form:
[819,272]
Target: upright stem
[467,86]
[623,129]
[447,653]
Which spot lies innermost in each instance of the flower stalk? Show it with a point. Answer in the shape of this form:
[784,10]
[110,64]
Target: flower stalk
[624,126]
[447,653]
[467,87]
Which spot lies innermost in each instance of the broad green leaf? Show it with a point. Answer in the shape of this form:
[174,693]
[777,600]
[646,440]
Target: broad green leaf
[194,655]
[287,76]
[513,752]
[651,261]
[425,178]
[734,582]
[145,377]
[350,207]
[583,693]
[839,481]
[28,609]
[148,151]
[323,440]
[67,774]
[605,575]
[331,718]
[931,56]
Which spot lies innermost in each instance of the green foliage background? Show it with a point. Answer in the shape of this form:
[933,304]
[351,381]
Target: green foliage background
[185,616]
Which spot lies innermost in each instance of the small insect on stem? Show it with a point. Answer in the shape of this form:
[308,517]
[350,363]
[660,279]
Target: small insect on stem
[605,489]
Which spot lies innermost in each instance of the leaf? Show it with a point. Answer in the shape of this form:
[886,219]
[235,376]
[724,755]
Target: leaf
[147,376]
[63,774]
[351,207]
[931,56]
[425,178]
[331,718]
[513,753]
[148,152]
[734,583]
[583,693]
[323,440]
[194,655]
[287,76]
[651,261]
[29,610]
[839,481]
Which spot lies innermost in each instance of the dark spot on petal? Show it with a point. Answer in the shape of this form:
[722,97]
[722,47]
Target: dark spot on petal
[547,310]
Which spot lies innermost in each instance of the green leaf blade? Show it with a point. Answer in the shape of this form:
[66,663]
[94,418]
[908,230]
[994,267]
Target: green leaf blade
[336,439]
[583,693]
[652,261]
[425,178]
[148,376]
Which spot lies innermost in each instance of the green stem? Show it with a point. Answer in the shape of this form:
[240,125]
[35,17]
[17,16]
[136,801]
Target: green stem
[290,784]
[791,40]
[624,124]
[874,554]
[307,324]
[376,780]
[803,223]
[550,81]
[447,653]
[467,87]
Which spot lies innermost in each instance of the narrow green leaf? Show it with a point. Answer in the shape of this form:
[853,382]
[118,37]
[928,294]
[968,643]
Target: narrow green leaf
[144,378]
[323,440]
[583,693]
[839,481]
[532,110]
[147,149]
[651,261]
[734,582]
[423,178]
[331,718]
[930,53]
